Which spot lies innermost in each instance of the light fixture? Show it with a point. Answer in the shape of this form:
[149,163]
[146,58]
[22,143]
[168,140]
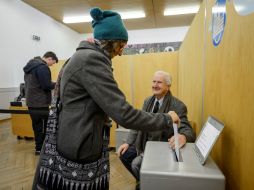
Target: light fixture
[86,18]
[77,19]
[219,9]
[132,14]
[181,10]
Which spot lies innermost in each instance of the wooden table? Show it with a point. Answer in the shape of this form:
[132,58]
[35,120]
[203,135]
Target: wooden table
[21,123]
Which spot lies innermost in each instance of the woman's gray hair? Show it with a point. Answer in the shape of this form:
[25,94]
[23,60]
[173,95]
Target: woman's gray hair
[167,77]
[110,45]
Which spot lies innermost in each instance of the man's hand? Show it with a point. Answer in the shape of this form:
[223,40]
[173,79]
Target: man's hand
[181,139]
[174,117]
[122,149]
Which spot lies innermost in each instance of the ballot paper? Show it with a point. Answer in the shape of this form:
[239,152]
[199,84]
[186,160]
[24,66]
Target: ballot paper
[176,141]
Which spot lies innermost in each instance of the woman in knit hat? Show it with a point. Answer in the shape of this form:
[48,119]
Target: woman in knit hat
[75,151]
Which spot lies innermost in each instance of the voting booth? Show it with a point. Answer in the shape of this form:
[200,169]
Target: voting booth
[190,168]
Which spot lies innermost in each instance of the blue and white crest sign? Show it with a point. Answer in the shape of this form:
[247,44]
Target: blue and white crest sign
[218,21]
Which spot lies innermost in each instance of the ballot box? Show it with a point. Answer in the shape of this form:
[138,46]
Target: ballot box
[161,171]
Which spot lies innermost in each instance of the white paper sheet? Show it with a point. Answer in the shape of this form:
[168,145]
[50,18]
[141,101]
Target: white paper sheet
[176,141]
[207,138]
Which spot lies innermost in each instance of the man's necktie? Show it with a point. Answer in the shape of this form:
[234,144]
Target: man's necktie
[156,107]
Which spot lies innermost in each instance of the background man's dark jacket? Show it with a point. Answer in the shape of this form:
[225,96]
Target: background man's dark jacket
[38,83]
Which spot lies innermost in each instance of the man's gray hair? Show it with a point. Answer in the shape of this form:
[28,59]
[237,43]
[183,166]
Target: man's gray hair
[167,77]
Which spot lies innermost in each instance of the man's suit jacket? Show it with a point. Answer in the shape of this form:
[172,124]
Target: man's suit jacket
[170,103]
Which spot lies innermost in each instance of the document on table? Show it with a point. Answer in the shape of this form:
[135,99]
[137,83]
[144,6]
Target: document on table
[176,141]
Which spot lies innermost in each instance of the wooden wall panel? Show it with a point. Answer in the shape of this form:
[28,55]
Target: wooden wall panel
[122,73]
[55,69]
[134,73]
[144,67]
[228,95]
[228,89]
[191,68]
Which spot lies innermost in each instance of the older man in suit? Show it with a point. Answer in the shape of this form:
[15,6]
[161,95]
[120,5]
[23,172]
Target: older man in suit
[162,101]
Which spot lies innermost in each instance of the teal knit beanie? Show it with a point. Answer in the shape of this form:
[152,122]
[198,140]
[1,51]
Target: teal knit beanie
[108,25]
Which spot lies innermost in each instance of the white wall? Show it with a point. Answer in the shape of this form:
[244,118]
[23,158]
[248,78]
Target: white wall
[18,23]
[6,96]
[173,34]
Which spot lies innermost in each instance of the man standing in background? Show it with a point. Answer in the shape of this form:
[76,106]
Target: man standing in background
[38,86]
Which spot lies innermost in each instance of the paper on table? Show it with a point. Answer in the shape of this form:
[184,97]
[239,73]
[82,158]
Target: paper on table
[176,141]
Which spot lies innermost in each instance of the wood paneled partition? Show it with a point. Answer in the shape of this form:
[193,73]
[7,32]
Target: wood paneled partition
[228,88]
[55,69]
[144,68]
[122,67]
[142,71]
[191,57]
[229,92]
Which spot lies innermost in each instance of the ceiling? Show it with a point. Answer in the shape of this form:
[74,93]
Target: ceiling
[153,9]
